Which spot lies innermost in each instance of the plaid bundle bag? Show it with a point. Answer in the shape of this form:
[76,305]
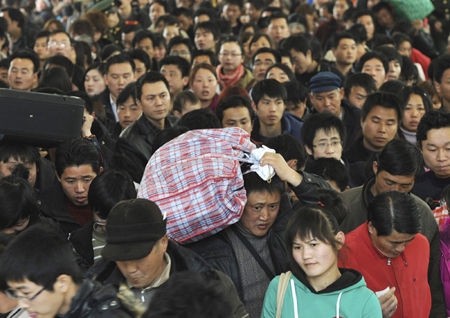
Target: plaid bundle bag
[197,182]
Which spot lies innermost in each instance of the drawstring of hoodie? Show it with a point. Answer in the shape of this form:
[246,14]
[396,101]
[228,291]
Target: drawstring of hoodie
[337,305]
[294,298]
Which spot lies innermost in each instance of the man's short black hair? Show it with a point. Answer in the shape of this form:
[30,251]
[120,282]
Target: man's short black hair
[391,54]
[362,13]
[400,158]
[297,93]
[434,119]
[441,64]
[359,33]
[204,299]
[40,255]
[394,210]
[239,3]
[373,55]
[141,35]
[254,183]
[77,152]
[383,99]
[141,55]
[290,148]
[128,91]
[383,5]
[209,26]
[409,71]
[269,87]
[18,151]
[29,55]
[359,79]
[286,69]
[176,40]
[119,59]
[58,31]
[15,15]
[108,189]
[182,98]
[330,169]
[63,62]
[131,28]
[200,119]
[181,63]
[383,40]
[42,34]
[234,102]
[350,13]
[210,12]
[299,43]
[277,15]
[149,78]
[399,38]
[338,36]
[162,3]
[209,53]
[275,54]
[324,121]
[392,86]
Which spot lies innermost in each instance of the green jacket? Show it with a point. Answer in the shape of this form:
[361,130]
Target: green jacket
[348,297]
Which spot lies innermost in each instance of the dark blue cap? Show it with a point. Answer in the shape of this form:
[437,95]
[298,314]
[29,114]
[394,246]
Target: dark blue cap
[324,82]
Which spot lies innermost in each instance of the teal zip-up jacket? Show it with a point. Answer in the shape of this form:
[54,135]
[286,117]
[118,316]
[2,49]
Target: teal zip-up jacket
[348,297]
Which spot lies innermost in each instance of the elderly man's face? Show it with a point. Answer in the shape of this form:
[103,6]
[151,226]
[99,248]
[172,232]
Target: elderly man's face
[143,272]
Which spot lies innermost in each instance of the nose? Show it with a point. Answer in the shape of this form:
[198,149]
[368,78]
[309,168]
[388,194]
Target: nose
[382,128]
[441,156]
[79,187]
[306,254]
[121,80]
[130,267]
[329,149]
[23,303]
[264,215]
[414,113]
[127,112]
[400,248]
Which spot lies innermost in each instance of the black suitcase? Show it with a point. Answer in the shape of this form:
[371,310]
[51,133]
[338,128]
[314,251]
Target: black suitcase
[42,120]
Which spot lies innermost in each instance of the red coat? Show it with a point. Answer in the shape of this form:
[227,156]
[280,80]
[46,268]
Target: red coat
[407,273]
[423,60]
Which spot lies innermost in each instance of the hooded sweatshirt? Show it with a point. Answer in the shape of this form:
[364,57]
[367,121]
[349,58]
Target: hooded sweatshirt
[347,297]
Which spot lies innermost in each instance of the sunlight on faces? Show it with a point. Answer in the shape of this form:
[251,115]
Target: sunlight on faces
[329,102]
[204,85]
[270,110]
[339,8]
[94,83]
[260,212]
[230,57]
[128,112]
[155,101]
[357,96]
[75,181]
[379,128]
[278,74]
[174,77]
[237,117]
[21,75]
[119,76]
[326,144]
[391,245]
[59,44]
[278,29]
[414,111]
[374,67]
[143,272]
[436,151]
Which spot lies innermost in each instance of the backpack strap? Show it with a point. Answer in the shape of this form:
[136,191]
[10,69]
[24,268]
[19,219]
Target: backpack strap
[281,291]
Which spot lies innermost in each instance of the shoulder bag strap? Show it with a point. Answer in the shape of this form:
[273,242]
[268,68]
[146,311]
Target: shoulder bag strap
[255,255]
[281,291]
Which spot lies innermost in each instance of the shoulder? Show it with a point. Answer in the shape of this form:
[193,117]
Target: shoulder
[132,130]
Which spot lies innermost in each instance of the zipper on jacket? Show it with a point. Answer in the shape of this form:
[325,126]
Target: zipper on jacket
[389,261]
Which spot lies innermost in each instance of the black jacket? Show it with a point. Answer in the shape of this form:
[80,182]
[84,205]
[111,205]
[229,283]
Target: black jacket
[105,98]
[46,176]
[81,241]
[141,134]
[218,251]
[352,122]
[95,300]
[182,259]
[357,151]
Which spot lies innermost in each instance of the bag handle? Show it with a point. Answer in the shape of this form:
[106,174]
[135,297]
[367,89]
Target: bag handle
[281,291]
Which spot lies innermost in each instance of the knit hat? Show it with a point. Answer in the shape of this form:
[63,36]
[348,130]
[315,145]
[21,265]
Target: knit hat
[132,229]
[324,82]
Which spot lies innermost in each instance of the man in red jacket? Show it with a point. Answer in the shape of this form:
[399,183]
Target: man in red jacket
[392,255]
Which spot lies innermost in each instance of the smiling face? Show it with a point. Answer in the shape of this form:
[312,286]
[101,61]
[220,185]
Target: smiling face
[204,85]
[260,212]
[75,181]
[436,151]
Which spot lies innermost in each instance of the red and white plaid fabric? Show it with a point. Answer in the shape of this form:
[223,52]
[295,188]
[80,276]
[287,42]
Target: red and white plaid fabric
[197,182]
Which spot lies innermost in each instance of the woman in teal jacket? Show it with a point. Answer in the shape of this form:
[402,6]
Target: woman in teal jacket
[317,287]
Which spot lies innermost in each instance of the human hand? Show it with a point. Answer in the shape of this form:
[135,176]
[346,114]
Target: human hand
[388,303]
[282,169]
[87,124]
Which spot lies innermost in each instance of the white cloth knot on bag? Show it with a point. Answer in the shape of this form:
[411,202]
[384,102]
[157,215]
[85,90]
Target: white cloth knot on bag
[266,172]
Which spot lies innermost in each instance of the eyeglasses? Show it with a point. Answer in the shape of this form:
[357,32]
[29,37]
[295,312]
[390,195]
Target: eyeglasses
[230,54]
[182,53]
[56,43]
[325,145]
[12,294]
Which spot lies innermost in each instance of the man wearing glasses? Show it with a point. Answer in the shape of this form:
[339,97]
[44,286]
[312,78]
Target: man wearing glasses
[262,60]
[327,97]
[41,272]
[59,44]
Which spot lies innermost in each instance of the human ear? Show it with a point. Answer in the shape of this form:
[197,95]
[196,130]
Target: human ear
[62,283]
[340,238]
[375,167]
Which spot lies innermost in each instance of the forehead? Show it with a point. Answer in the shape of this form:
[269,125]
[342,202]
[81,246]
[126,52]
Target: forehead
[358,90]
[203,31]
[438,136]
[24,285]
[347,41]
[93,72]
[399,237]
[154,88]
[331,133]
[396,178]
[180,46]
[202,59]
[230,46]
[145,42]
[41,40]
[170,68]
[157,6]
[263,196]
[276,70]
[85,169]
[20,62]
[279,21]
[373,62]
[239,111]
[383,112]
[365,18]
[120,68]
[265,56]
[59,37]
[204,72]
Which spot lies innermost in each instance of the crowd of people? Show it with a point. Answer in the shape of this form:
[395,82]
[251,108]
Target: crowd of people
[347,102]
